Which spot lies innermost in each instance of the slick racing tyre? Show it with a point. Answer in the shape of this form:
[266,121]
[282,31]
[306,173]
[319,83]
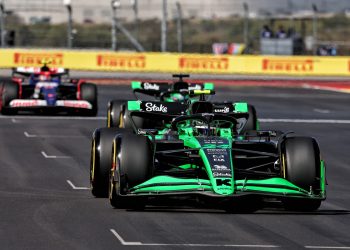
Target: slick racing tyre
[9,92]
[127,121]
[252,120]
[115,113]
[300,164]
[88,92]
[132,165]
[101,160]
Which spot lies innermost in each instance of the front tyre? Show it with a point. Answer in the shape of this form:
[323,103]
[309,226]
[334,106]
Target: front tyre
[10,92]
[115,113]
[132,165]
[252,122]
[101,160]
[88,92]
[300,158]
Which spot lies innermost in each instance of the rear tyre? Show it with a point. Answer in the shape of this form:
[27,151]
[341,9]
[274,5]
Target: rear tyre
[101,160]
[252,119]
[115,113]
[10,92]
[128,121]
[132,166]
[88,92]
[300,157]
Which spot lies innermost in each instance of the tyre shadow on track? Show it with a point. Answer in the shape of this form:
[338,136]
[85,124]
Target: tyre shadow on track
[266,208]
[219,211]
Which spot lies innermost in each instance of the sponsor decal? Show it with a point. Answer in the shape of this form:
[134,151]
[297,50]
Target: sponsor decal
[203,63]
[27,103]
[220,167]
[75,104]
[36,59]
[222,175]
[213,140]
[153,107]
[218,158]
[121,62]
[283,65]
[150,86]
[222,110]
[48,85]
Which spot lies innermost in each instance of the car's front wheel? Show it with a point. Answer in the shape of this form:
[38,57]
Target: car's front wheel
[10,92]
[101,160]
[88,92]
[132,165]
[252,122]
[300,161]
[115,113]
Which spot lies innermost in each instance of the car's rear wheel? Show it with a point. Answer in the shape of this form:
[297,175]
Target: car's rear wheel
[101,160]
[88,92]
[252,122]
[10,92]
[300,161]
[132,163]
[115,113]
[127,121]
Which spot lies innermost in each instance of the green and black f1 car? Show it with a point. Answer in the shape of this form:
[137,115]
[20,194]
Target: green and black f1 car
[178,91]
[205,156]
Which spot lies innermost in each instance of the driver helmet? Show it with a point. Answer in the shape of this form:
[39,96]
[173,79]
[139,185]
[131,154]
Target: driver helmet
[178,86]
[177,97]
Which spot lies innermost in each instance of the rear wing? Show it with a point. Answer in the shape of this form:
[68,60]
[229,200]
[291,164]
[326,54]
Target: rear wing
[201,86]
[157,107]
[177,108]
[167,111]
[156,111]
[226,108]
[150,88]
[156,88]
[28,71]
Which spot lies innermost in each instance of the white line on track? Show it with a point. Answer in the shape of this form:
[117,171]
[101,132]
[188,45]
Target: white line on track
[137,243]
[26,134]
[322,111]
[326,247]
[15,121]
[54,156]
[75,187]
[326,121]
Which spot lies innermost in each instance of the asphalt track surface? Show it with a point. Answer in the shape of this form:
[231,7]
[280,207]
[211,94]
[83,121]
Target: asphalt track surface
[46,202]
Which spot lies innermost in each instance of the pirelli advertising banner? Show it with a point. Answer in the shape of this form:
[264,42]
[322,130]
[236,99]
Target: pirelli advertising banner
[172,62]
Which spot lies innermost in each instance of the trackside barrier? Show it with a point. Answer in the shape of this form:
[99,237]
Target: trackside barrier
[172,62]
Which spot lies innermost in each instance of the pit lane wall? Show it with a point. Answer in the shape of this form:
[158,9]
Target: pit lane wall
[172,62]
